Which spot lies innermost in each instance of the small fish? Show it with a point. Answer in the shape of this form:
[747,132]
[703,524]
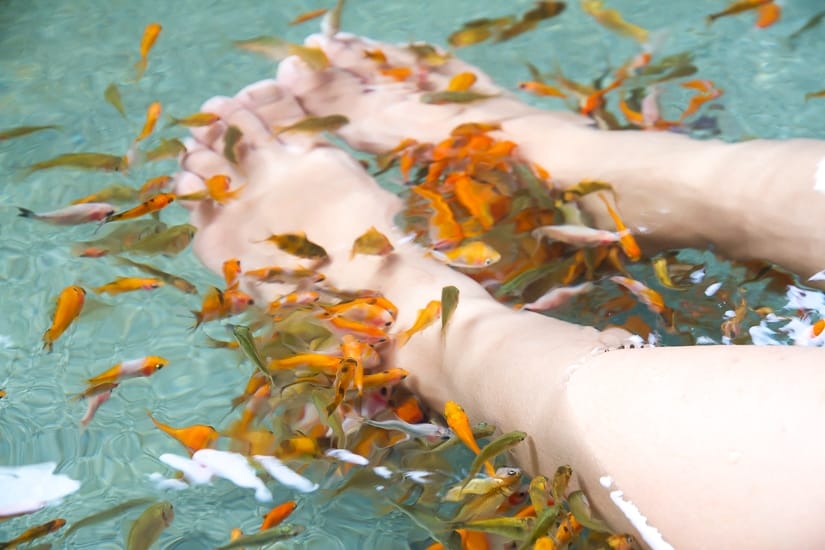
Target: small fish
[297,244]
[284,275]
[649,297]
[150,525]
[69,304]
[473,128]
[95,402]
[538,493]
[557,297]
[281,532]
[626,240]
[307,16]
[560,481]
[173,280]
[153,204]
[212,307]
[231,270]
[812,95]
[462,82]
[86,161]
[811,23]
[444,230]
[72,215]
[129,284]
[508,527]
[218,188]
[194,437]
[169,241]
[375,55]
[389,377]
[421,430]
[660,269]
[112,96]
[399,74]
[231,137]
[585,187]
[194,120]
[619,542]
[581,511]
[469,36]
[150,35]
[152,115]
[612,20]
[447,96]
[91,391]
[425,318]
[243,335]
[105,514]
[278,514]
[576,235]
[153,186]
[767,15]
[449,303]
[541,89]
[738,6]
[458,422]
[114,193]
[143,366]
[168,148]
[279,49]
[493,449]
[331,23]
[473,255]
[315,124]
[34,533]
[372,243]
[21,131]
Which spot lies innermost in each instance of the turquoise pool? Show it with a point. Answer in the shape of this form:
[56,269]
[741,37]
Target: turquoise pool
[56,59]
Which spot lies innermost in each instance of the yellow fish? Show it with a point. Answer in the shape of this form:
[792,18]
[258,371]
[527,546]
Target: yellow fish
[473,255]
[143,366]
[612,20]
[194,438]
[462,82]
[373,243]
[425,318]
[298,245]
[69,304]
[153,204]
[152,115]
[129,284]
[315,124]
[150,35]
[194,120]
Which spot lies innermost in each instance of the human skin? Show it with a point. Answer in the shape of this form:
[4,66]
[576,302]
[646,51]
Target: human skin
[707,442]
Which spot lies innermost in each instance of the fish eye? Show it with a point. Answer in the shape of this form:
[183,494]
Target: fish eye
[512,472]
[158,366]
[488,261]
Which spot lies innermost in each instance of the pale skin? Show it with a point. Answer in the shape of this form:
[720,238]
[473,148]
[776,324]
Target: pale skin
[713,444]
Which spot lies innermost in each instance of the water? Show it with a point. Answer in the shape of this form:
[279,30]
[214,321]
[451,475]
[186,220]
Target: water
[56,58]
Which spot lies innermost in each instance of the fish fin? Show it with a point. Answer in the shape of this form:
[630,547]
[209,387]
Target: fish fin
[198,320]
[26,213]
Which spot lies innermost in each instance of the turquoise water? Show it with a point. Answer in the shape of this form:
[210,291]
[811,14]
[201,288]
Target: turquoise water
[56,58]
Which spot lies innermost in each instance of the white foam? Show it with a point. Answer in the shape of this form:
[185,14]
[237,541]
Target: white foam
[29,488]
[650,534]
[712,289]
[819,176]
[383,471]
[606,481]
[286,475]
[347,456]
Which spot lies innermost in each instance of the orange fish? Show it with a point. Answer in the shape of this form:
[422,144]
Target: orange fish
[365,331]
[327,364]
[738,6]
[299,298]
[142,366]
[376,55]
[278,514]
[649,297]
[307,16]
[462,82]
[154,204]
[397,73]
[472,255]
[541,89]
[284,275]
[231,272]
[211,307]
[445,232]
[150,35]
[818,327]
[768,14]
[458,422]
[129,284]
[425,318]
[706,92]
[34,533]
[218,188]
[69,304]
[152,115]
[153,186]
[626,240]
[194,438]
[363,312]
[387,377]
[194,120]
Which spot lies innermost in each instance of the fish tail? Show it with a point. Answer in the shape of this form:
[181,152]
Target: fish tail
[198,319]
[25,213]
[140,68]
[48,343]
[402,338]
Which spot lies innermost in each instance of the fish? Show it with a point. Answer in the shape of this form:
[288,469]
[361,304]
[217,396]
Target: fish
[649,297]
[372,243]
[173,280]
[472,255]
[557,297]
[21,131]
[737,6]
[69,305]
[585,187]
[421,430]
[307,16]
[425,318]
[560,481]
[148,527]
[153,186]
[449,96]
[331,24]
[462,82]
[218,188]
[499,445]
[508,527]
[444,230]
[297,244]
[129,284]
[281,532]
[243,334]
[327,364]
[194,437]
[768,14]
[620,542]
[813,22]
[612,20]
[541,89]
[169,241]
[231,270]
[85,161]
[363,312]
[538,493]
[142,366]
[95,402]
[543,522]
[581,511]
[91,391]
[278,514]
[195,120]
[458,422]
[152,115]
[576,235]
[231,137]
[150,36]
[449,303]
[315,124]
[105,514]
[707,91]
[168,148]
[364,331]
[626,240]
[75,214]
[812,95]
[277,274]
[34,533]
[279,49]
[469,36]
[112,96]
[212,307]
[153,204]
[388,377]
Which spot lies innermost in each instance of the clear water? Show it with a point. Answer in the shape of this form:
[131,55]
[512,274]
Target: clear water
[56,58]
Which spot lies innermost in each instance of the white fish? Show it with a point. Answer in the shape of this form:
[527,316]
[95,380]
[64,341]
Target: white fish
[285,475]
[558,296]
[577,235]
[72,215]
[427,429]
